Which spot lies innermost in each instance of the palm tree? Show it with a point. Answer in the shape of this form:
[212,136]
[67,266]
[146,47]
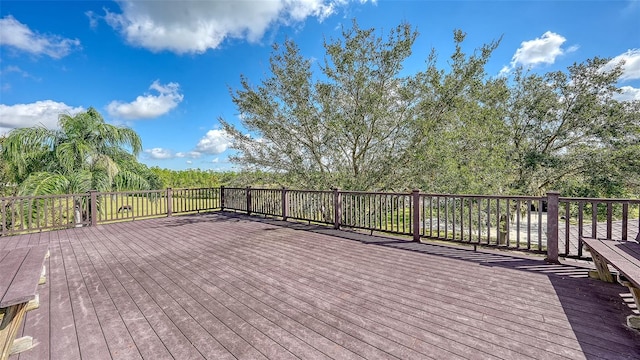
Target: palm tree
[77,157]
[82,155]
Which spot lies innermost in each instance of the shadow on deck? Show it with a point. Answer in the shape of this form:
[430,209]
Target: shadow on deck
[612,304]
[224,285]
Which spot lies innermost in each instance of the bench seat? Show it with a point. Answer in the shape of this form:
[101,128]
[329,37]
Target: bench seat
[22,270]
[624,256]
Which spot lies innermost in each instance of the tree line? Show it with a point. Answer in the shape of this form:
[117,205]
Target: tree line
[85,153]
[355,120]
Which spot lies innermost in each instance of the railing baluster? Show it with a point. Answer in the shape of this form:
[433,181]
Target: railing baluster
[594,220]
[539,224]
[518,215]
[529,204]
[580,226]
[498,223]
[567,230]
[488,221]
[625,220]
[609,220]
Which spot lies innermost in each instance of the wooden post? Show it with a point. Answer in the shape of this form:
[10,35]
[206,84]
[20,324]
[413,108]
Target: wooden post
[337,208]
[248,193]
[3,218]
[285,203]
[552,226]
[221,198]
[625,222]
[93,207]
[169,202]
[415,195]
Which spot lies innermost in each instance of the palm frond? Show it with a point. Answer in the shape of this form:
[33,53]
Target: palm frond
[80,182]
[100,180]
[44,183]
[24,144]
[107,164]
[127,180]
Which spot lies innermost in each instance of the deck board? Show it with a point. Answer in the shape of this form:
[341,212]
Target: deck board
[63,337]
[224,286]
[349,283]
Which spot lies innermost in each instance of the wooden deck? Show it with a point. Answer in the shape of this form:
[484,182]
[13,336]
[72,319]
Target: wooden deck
[224,286]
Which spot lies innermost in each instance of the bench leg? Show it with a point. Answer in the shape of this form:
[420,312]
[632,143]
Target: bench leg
[11,320]
[603,268]
[633,321]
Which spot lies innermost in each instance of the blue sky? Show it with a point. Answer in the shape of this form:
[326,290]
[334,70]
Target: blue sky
[164,67]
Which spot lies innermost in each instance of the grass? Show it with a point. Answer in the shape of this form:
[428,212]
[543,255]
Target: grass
[58,213]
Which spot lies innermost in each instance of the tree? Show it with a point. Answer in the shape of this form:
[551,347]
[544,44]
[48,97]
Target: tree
[7,187]
[569,133]
[458,136]
[343,128]
[84,154]
[361,123]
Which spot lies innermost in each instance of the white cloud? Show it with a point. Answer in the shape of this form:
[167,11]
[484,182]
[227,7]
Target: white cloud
[148,106]
[93,19]
[628,94]
[189,162]
[631,67]
[197,26]
[159,153]
[38,113]
[18,35]
[13,69]
[189,154]
[542,50]
[214,142]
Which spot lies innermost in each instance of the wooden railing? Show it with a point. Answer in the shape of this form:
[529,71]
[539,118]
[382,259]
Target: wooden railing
[516,222]
[616,219]
[550,224]
[23,214]
[27,214]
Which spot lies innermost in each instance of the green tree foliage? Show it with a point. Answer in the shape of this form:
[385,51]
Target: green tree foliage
[343,129]
[356,121]
[192,178]
[84,154]
[7,186]
[568,132]
[459,138]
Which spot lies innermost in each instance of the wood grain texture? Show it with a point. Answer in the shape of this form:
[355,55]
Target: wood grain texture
[624,256]
[234,287]
[24,281]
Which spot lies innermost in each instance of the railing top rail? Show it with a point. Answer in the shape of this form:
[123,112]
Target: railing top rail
[58,196]
[515,197]
[280,189]
[311,191]
[131,192]
[582,199]
[198,188]
[375,193]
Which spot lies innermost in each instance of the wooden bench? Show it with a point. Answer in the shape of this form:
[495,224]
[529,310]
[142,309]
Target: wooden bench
[21,270]
[625,257]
